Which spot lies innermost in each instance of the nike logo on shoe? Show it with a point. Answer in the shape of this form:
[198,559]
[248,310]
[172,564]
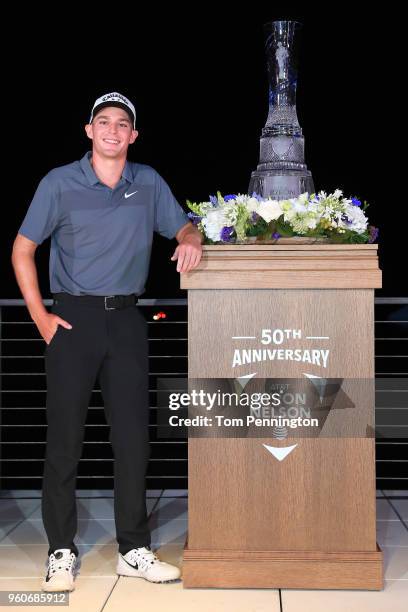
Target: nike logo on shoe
[135,566]
[127,195]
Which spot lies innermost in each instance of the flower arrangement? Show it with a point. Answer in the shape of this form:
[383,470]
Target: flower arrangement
[239,218]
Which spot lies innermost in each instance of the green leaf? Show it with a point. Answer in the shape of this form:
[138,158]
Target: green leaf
[261,228]
[196,208]
[284,229]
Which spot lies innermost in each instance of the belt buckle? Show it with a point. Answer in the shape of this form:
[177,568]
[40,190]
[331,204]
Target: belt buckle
[106,306]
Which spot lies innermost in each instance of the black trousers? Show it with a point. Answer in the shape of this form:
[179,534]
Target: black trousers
[109,345]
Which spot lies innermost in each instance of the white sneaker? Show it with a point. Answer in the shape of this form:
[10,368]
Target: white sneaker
[60,574]
[143,563]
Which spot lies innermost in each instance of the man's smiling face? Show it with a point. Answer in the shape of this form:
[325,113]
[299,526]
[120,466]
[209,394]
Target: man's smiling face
[111,132]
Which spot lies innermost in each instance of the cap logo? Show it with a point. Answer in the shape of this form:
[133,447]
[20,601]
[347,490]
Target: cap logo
[114,96]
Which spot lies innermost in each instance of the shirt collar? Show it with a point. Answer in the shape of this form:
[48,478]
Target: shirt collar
[127,172]
[89,172]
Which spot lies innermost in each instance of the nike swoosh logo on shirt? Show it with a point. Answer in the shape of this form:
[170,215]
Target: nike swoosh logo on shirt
[127,195]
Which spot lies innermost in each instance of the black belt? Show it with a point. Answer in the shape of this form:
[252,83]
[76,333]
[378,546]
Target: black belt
[107,302]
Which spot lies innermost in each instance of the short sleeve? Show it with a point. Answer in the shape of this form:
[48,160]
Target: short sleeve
[169,216]
[42,215]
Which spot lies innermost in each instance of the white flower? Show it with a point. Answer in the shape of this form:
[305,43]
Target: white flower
[252,205]
[299,225]
[299,206]
[288,209]
[303,198]
[357,219]
[269,209]
[230,212]
[315,207]
[205,207]
[311,221]
[286,205]
[213,224]
[337,194]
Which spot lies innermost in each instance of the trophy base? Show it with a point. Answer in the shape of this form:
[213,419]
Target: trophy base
[281,186]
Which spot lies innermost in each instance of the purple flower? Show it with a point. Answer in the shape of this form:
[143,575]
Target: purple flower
[254,217]
[374,231]
[229,197]
[195,219]
[226,233]
[346,219]
[276,235]
[355,202]
[256,196]
[214,200]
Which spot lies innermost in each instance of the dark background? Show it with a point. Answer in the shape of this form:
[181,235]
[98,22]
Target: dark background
[198,79]
[197,75]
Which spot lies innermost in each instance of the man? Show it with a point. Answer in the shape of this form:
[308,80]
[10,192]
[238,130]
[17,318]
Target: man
[101,213]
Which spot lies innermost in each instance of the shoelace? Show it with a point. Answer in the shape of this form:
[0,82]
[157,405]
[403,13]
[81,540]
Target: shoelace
[144,559]
[65,563]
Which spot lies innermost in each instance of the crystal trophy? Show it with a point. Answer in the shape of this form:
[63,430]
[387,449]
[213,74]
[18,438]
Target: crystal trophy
[281,172]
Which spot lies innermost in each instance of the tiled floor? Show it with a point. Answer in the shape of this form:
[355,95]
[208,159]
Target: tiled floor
[23,549]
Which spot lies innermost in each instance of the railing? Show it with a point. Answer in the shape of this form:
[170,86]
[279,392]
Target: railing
[23,416]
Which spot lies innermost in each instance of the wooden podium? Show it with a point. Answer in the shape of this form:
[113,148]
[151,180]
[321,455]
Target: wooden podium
[309,520]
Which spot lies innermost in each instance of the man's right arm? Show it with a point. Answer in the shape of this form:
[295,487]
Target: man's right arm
[23,260]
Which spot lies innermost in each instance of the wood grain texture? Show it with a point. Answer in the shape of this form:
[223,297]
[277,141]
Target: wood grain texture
[277,279]
[320,498]
[287,263]
[270,266]
[346,317]
[276,569]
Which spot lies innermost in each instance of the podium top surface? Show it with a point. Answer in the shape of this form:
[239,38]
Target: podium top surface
[286,266]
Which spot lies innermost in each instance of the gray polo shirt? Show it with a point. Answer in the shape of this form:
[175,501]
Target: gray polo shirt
[101,238]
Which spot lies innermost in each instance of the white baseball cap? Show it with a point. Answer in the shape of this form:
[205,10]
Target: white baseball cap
[114,99]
